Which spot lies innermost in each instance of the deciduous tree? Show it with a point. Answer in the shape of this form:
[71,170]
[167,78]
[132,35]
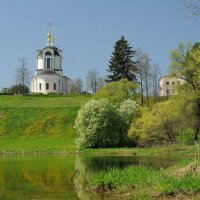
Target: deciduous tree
[155,73]
[79,84]
[117,91]
[22,75]
[139,55]
[91,80]
[156,126]
[19,89]
[186,65]
[193,6]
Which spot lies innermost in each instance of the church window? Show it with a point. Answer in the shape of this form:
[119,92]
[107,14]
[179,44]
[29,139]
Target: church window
[54,86]
[48,63]
[47,86]
[40,86]
[48,53]
[167,83]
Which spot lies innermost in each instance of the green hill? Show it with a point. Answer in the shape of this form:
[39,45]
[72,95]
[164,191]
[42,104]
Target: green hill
[38,123]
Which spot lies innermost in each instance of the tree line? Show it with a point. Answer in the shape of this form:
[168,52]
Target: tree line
[134,65]
[169,120]
[125,62]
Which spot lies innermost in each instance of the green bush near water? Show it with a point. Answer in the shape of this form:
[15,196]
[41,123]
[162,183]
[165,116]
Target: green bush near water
[101,124]
[98,125]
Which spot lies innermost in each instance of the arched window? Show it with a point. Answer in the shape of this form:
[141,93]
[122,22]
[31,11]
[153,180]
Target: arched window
[48,53]
[48,60]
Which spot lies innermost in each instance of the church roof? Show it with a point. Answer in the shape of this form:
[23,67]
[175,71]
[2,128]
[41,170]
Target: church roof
[47,72]
[55,49]
[66,77]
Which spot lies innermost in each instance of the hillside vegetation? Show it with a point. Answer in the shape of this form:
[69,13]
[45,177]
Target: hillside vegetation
[38,123]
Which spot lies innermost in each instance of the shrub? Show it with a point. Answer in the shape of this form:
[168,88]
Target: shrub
[98,125]
[187,136]
[158,125]
[128,112]
[101,124]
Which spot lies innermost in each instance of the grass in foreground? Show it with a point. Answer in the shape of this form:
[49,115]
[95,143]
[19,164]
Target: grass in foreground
[142,182]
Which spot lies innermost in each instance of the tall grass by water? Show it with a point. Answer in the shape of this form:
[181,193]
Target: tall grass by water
[143,181]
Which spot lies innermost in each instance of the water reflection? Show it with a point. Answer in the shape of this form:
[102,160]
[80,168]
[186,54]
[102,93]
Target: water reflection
[105,162]
[36,178]
[50,177]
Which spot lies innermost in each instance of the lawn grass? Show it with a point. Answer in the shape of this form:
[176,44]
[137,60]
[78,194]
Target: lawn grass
[38,144]
[43,101]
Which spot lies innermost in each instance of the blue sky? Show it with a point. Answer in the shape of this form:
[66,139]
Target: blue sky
[86,31]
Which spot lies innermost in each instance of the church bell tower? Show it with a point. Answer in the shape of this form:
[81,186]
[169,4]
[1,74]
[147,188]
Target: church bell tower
[49,72]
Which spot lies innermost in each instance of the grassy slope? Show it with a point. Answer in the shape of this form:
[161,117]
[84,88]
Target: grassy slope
[43,101]
[38,123]
[44,123]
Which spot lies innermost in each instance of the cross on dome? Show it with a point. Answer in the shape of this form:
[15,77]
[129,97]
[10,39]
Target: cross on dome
[50,37]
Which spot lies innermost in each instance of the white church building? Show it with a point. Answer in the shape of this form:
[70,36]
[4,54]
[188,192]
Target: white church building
[48,76]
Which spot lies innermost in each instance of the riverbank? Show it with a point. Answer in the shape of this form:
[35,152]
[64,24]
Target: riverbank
[136,182]
[181,181]
[66,145]
[170,149]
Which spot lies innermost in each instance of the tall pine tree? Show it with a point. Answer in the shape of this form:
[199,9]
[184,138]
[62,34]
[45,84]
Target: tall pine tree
[121,64]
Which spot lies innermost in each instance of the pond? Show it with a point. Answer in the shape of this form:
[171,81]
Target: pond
[51,177]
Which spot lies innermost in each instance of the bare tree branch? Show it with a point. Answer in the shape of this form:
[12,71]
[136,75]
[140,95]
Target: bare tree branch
[193,7]
[22,74]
